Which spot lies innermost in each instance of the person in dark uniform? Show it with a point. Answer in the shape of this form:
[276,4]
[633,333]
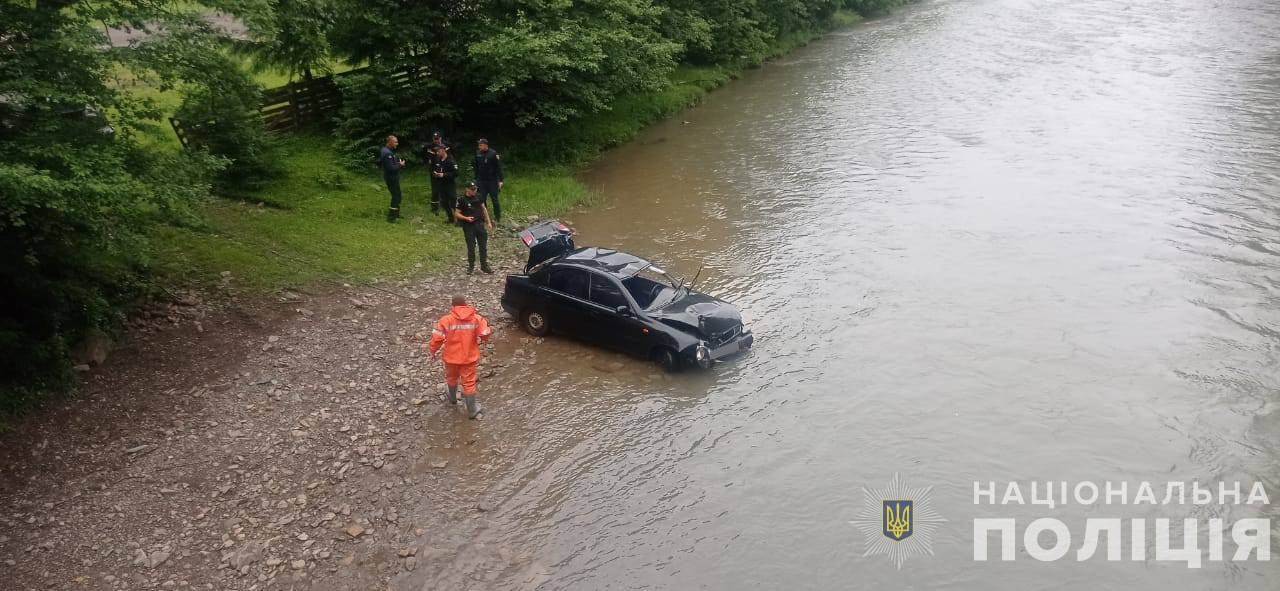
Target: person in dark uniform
[473,216]
[489,176]
[436,141]
[391,165]
[444,192]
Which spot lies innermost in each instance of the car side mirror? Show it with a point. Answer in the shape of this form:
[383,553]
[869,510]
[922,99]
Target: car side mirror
[623,311]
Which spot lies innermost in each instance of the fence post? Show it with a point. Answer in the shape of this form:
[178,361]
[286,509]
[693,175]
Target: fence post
[293,104]
[178,131]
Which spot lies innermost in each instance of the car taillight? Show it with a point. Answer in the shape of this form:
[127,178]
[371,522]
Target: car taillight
[562,227]
[527,238]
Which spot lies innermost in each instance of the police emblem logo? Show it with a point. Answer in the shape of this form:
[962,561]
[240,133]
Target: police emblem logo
[898,521]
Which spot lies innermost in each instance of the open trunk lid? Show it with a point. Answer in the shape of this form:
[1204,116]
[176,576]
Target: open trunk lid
[546,241]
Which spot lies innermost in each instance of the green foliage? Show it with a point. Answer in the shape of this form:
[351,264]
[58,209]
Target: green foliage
[291,37]
[582,138]
[78,192]
[556,60]
[377,102]
[872,7]
[221,113]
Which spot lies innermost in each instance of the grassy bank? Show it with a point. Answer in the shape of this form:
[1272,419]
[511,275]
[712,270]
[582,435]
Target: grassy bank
[322,221]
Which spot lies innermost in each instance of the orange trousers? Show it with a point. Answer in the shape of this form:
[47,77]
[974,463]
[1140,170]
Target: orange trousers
[465,371]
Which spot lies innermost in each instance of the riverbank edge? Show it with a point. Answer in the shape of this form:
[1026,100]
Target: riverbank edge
[324,223]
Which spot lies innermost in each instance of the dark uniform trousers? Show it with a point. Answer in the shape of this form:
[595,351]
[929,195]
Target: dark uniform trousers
[489,190]
[476,235]
[444,194]
[393,185]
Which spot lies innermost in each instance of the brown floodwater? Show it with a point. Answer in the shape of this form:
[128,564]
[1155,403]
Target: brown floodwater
[988,240]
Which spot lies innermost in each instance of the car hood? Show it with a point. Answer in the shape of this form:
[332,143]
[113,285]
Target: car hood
[695,309]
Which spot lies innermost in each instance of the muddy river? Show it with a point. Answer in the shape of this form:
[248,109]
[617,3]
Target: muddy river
[988,240]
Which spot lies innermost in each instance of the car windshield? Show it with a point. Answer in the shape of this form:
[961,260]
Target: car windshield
[652,287]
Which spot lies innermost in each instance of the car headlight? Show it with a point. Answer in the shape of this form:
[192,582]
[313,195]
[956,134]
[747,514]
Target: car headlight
[702,355]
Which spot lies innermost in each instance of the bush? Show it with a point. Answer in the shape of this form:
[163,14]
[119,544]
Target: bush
[78,193]
[221,118]
[375,104]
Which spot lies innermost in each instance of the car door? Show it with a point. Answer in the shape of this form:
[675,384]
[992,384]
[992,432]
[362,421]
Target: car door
[566,301]
[624,332]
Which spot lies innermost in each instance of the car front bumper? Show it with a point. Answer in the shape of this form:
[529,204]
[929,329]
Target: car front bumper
[738,344]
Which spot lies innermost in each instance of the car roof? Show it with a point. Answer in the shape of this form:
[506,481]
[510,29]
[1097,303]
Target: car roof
[614,262]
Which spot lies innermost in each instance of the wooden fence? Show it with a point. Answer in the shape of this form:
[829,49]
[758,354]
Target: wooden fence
[303,102]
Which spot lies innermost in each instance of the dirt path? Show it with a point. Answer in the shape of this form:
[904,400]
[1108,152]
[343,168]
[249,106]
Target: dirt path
[268,445]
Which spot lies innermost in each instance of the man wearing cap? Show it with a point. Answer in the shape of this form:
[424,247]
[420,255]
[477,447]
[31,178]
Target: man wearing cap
[443,189]
[391,165]
[437,141]
[457,337]
[473,216]
[489,176]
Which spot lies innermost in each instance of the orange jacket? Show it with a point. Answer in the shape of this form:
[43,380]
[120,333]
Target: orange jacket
[460,333]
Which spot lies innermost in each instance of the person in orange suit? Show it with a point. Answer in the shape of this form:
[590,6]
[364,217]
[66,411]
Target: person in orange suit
[458,335]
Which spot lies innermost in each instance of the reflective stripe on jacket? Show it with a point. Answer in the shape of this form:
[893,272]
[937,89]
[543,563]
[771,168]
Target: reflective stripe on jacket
[460,332]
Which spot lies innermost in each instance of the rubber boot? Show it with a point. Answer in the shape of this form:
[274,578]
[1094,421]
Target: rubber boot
[452,397]
[473,408]
[393,214]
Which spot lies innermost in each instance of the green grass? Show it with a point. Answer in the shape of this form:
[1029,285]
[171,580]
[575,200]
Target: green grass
[327,222]
[321,221]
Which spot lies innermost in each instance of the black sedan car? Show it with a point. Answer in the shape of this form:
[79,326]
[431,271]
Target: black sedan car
[620,301]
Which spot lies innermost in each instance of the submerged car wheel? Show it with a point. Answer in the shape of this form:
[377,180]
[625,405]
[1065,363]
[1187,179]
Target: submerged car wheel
[535,323]
[666,359]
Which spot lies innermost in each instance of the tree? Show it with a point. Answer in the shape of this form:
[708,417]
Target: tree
[77,190]
[735,31]
[550,60]
[292,36]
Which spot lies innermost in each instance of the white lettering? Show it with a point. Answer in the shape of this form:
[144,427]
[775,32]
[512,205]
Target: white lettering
[1190,552]
[1062,539]
[978,493]
[1257,492]
[1013,492]
[1093,528]
[1093,487]
[1259,540]
[1201,496]
[1168,492]
[1048,493]
[1223,492]
[1123,493]
[1145,493]
[981,527]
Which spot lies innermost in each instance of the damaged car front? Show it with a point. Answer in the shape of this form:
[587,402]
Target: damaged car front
[715,324]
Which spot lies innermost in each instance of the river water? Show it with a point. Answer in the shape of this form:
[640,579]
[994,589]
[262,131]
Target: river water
[987,240]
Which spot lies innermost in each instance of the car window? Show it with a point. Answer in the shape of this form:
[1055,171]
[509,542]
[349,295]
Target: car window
[648,293]
[569,281]
[607,293]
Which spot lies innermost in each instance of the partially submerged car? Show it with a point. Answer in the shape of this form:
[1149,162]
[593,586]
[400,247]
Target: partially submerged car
[620,301]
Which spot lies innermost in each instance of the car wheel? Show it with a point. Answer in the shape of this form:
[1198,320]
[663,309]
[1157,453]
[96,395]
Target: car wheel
[666,359]
[535,323]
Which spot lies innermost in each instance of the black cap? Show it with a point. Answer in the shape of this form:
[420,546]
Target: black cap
[435,134]
[471,184]
[482,141]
